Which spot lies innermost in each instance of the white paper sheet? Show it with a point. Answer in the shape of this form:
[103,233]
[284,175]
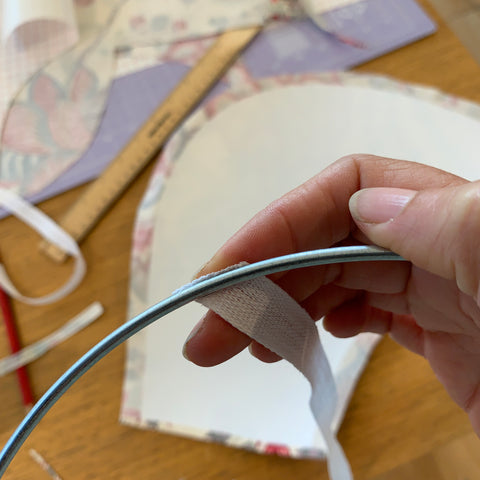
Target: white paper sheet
[247,155]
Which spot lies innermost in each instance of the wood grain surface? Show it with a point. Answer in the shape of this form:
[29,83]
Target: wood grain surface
[400,423]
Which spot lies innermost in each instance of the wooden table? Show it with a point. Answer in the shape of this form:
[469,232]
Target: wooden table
[400,423]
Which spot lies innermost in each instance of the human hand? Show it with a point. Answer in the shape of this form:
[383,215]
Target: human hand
[429,304]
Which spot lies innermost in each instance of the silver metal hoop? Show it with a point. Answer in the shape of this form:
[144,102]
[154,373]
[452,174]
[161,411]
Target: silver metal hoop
[199,288]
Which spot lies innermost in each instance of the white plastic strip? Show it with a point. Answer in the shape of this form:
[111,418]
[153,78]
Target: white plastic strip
[51,232]
[37,349]
[263,311]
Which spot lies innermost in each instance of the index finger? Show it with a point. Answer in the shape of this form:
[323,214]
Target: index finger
[313,215]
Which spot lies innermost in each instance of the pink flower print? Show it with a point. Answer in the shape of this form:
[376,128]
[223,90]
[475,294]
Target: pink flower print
[275,449]
[45,93]
[67,127]
[30,128]
[137,22]
[164,168]
[143,238]
[62,116]
[82,84]
[133,414]
[20,131]
[180,25]
[187,52]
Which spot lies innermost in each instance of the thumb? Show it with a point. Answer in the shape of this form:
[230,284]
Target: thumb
[437,230]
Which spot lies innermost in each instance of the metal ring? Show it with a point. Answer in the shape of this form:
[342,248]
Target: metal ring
[186,294]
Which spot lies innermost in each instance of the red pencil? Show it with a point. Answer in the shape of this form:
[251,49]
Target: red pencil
[13,340]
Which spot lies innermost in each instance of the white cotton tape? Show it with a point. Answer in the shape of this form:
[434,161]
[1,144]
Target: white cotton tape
[51,232]
[266,313]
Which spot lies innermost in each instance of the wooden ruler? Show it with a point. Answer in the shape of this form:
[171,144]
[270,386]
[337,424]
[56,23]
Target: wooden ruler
[147,142]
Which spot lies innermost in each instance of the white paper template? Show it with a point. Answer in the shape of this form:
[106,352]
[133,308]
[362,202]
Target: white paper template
[246,156]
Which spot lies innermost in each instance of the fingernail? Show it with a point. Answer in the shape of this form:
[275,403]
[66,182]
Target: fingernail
[196,329]
[199,272]
[379,205]
[217,262]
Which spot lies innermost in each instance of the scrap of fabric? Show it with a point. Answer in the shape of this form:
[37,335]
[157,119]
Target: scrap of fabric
[55,90]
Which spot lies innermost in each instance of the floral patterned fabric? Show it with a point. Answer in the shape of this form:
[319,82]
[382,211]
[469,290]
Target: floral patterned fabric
[56,109]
